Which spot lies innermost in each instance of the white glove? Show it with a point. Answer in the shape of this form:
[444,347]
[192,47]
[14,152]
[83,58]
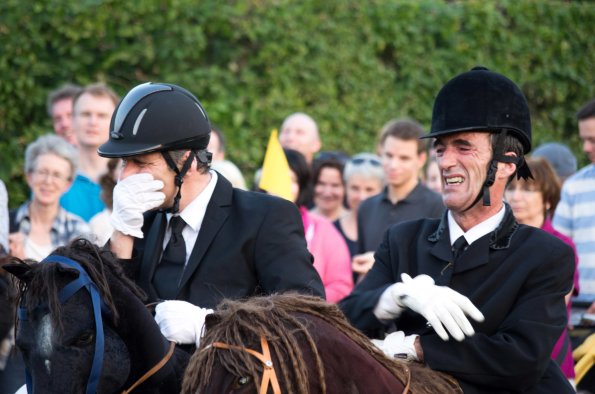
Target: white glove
[397,345]
[440,305]
[133,196]
[181,321]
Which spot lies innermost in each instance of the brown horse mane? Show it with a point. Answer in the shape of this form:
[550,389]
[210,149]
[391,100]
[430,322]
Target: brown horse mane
[99,263]
[238,322]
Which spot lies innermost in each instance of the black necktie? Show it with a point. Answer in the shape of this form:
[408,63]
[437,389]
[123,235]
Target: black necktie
[170,268]
[459,247]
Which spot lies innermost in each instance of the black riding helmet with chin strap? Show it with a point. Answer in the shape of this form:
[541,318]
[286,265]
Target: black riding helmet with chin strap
[482,100]
[160,117]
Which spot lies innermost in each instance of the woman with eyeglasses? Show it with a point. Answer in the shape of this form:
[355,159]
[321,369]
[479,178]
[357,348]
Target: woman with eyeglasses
[533,203]
[363,177]
[331,256]
[41,224]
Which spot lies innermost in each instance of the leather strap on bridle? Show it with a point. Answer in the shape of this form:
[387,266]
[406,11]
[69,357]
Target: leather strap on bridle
[152,371]
[268,375]
[406,388]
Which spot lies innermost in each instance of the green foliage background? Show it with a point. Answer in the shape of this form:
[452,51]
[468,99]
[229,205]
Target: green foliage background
[352,65]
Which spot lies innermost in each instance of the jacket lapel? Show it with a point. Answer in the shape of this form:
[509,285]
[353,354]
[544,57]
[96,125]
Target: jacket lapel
[152,253]
[215,215]
[477,254]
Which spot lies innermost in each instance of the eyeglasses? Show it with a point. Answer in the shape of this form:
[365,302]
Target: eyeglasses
[52,176]
[374,162]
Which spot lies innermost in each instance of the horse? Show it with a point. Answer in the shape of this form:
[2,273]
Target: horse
[294,343]
[82,327]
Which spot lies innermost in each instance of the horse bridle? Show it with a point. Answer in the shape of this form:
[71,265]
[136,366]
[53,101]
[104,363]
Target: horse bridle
[83,281]
[268,374]
[99,309]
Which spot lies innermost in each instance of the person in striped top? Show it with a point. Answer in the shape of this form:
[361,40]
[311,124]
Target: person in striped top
[575,214]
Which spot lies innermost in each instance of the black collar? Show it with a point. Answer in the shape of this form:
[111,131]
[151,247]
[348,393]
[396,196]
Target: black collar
[499,238]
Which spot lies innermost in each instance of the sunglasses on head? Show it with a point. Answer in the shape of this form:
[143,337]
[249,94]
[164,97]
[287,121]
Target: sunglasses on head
[359,161]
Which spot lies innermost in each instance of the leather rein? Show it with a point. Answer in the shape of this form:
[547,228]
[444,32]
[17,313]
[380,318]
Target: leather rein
[153,371]
[160,363]
[269,377]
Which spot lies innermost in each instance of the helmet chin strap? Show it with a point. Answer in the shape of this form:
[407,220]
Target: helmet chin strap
[523,170]
[202,156]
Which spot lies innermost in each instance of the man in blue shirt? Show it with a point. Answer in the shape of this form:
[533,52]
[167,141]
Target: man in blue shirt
[575,216]
[91,115]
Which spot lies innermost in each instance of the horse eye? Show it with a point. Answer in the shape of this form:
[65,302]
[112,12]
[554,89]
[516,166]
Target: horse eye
[86,338]
[240,382]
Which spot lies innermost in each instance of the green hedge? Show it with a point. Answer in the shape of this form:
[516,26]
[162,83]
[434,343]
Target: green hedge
[352,65]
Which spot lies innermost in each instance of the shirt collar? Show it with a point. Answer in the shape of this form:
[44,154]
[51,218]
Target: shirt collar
[194,213]
[412,196]
[477,231]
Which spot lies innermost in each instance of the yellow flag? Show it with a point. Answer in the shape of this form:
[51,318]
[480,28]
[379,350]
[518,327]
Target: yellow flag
[276,176]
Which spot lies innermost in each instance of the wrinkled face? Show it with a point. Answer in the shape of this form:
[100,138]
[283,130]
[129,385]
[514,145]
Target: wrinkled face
[462,159]
[91,119]
[360,187]
[329,190]
[400,161]
[586,130]
[526,202]
[154,164]
[299,133]
[50,179]
[62,119]
[61,363]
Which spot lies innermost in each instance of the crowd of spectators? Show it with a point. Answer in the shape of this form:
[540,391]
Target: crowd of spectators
[347,203]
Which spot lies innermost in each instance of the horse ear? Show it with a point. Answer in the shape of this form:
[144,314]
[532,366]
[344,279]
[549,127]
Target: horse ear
[20,270]
[67,270]
[212,319]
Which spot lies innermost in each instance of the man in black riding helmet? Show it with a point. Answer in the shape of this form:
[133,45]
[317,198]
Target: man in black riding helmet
[181,230]
[430,275]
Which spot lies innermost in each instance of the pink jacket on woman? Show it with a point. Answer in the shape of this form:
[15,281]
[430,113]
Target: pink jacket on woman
[331,256]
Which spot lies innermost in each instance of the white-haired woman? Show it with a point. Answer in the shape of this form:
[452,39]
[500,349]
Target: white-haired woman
[41,224]
[364,177]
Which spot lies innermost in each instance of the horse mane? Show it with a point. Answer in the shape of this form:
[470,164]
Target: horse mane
[274,317]
[99,263]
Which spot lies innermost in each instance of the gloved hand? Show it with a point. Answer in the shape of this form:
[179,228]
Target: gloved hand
[441,306]
[397,345]
[133,196]
[181,321]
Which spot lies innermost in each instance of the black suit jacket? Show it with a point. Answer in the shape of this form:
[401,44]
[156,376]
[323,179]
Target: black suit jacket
[249,244]
[517,276]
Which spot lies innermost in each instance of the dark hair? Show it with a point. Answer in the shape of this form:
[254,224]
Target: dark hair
[587,111]
[510,143]
[66,91]
[544,180]
[178,154]
[406,130]
[299,166]
[319,164]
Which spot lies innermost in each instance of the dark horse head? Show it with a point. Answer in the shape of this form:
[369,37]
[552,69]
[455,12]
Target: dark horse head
[69,304]
[313,349]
